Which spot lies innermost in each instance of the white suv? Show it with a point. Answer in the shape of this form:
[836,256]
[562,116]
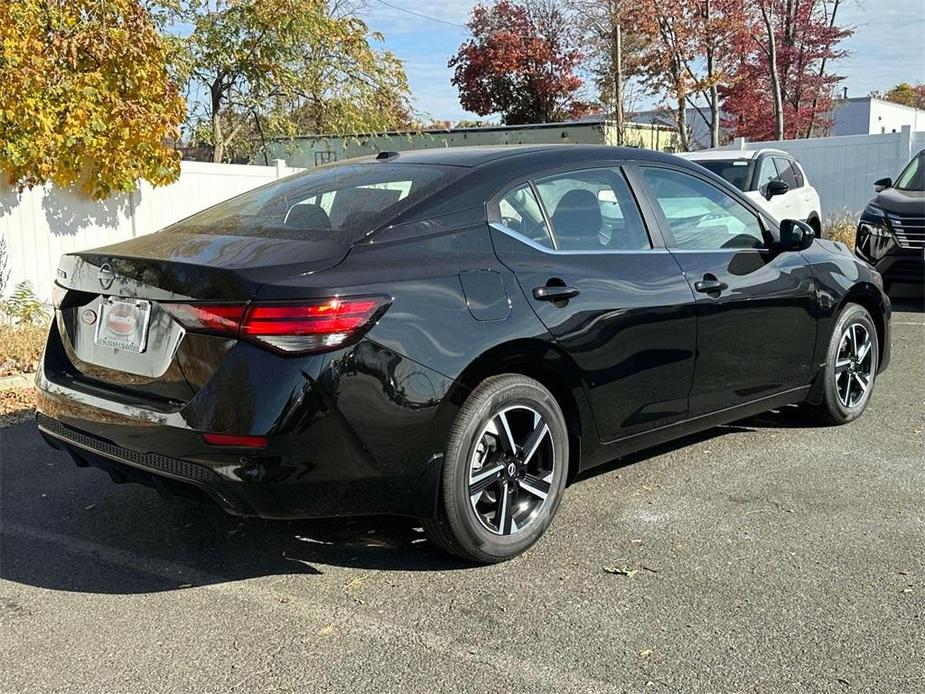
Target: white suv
[771,177]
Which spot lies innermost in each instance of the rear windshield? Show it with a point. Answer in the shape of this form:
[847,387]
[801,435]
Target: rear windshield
[736,171]
[341,203]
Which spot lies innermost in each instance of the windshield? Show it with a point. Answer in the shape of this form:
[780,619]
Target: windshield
[913,176]
[737,171]
[340,203]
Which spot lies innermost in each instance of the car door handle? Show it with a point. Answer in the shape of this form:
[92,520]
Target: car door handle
[554,293]
[709,286]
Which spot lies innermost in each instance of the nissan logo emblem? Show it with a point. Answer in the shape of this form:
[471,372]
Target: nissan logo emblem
[106,276]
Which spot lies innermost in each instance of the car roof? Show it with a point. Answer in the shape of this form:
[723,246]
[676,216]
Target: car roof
[731,154]
[486,154]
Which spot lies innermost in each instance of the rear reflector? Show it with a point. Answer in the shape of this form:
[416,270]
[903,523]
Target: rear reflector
[311,326]
[235,440]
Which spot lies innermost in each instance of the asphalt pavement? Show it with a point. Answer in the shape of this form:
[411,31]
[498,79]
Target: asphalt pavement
[767,556]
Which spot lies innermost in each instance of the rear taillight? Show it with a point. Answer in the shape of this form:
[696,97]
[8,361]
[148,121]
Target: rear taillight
[294,328]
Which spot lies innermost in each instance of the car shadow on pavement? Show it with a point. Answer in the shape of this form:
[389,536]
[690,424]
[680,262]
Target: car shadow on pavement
[72,529]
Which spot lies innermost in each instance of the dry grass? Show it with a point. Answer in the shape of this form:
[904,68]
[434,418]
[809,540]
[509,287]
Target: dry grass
[841,229]
[21,347]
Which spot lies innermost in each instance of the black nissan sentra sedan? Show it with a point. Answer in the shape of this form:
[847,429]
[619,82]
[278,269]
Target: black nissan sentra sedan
[451,335]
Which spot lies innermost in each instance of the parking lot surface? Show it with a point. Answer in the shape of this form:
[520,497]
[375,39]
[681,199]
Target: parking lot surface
[767,556]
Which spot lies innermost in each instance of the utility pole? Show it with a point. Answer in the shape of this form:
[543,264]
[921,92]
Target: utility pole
[616,46]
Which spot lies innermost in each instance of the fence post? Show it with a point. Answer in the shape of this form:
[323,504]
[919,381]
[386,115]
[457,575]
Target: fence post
[905,145]
[739,143]
[280,165]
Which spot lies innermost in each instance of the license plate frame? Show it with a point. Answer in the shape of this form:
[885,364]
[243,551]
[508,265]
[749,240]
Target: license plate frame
[127,328]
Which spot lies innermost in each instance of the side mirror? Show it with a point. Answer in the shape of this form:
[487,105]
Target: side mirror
[882,184]
[776,188]
[795,235]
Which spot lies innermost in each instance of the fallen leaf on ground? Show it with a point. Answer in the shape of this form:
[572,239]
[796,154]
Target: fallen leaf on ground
[621,571]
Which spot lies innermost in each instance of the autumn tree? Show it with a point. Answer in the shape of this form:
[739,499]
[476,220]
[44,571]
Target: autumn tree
[275,67]
[688,50]
[783,86]
[520,63]
[905,94]
[610,51]
[85,96]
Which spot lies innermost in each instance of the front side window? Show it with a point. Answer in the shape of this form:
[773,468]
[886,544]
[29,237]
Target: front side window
[767,172]
[593,210]
[913,176]
[787,172]
[700,216]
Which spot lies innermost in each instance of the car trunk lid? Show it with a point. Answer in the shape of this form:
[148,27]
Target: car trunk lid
[114,321]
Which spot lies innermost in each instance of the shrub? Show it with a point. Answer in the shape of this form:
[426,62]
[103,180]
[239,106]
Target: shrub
[23,306]
[841,229]
[21,348]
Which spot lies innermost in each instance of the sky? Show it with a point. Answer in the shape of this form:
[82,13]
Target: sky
[888,46]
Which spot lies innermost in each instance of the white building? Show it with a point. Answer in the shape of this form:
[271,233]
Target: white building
[868,115]
[862,115]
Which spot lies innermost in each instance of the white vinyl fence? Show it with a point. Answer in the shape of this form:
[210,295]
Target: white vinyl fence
[843,169]
[42,224]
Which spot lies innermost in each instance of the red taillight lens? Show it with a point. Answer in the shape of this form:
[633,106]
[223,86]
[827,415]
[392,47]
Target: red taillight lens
[313,326]
[222,319]
[235,440]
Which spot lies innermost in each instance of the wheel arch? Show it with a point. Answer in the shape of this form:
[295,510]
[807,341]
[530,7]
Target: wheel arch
[869,297]
[544,362]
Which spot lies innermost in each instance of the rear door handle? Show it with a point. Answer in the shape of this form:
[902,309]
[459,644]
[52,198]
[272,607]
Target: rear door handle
[710,286]
[555,293]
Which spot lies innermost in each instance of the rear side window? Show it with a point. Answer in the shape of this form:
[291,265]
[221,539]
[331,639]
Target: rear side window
[521,213]
[340,203]
[701,216]
[787,172]
[593,210]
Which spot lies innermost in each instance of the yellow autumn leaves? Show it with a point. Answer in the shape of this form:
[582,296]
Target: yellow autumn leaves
[85,98]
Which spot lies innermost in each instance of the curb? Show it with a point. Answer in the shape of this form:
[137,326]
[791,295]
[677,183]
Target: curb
[17,381]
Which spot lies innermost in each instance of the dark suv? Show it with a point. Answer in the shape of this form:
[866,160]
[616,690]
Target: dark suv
[891,231]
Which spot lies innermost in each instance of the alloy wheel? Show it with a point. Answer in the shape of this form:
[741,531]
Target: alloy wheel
[854,364]
[511,469]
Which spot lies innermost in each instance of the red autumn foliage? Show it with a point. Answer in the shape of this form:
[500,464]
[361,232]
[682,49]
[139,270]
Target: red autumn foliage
[519,63]
[807,39]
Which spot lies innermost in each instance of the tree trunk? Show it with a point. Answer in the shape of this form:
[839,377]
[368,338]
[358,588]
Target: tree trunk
[775,76]
[714,116]
[218,144]
[812,115]
[681,123]
[617,48]
[713,97]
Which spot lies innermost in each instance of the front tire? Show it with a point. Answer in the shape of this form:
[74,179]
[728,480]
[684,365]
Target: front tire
[851,367]
[504,471]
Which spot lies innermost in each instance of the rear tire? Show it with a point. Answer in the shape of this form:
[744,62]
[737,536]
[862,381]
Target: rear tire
[850,367]
[504,471]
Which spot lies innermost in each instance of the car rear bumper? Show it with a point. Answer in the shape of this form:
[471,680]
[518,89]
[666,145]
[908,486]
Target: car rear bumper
[341,442]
